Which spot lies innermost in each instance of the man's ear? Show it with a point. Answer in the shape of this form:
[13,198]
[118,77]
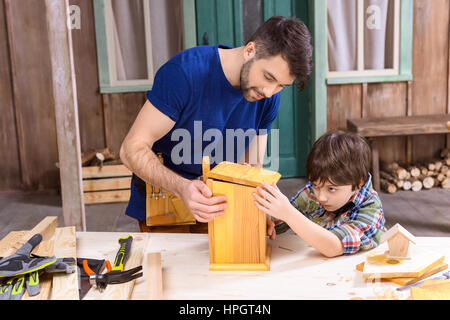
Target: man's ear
[249,51]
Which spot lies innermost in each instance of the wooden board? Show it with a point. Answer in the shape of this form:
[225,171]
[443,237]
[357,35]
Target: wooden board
[153,276]
[106,196]
[378,266]
[107,184]
[237,238]
[393,126]
[46,227]
[432,290]
[65,286]
[106,171]
[404,281]
[243,174]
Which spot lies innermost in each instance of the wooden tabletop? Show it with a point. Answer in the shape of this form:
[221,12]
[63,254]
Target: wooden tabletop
[297,270]
[406,125]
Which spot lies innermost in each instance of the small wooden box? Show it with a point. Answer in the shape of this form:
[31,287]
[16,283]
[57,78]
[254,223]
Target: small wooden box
[237,239]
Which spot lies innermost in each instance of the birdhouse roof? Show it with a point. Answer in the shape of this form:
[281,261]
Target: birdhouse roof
[395,230]
[243,174]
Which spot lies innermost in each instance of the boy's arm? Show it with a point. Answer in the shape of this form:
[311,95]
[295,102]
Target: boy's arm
[274,203]
[321,239]
[363,229]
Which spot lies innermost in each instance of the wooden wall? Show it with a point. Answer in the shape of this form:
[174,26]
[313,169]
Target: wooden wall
[28,148]
[28,145]
[426,94]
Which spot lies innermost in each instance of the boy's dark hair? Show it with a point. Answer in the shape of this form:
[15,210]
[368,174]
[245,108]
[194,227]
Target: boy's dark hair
[291,38]
[339,157]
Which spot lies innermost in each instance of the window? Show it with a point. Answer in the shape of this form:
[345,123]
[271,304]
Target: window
[126,32]
[368,40]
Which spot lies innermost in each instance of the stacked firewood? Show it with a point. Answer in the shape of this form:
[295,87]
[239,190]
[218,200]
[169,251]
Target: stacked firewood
[436,173]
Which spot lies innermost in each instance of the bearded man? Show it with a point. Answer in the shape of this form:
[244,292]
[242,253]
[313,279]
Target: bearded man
[221,88]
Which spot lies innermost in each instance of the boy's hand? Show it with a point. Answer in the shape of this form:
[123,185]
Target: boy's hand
[271,229]
[271,201]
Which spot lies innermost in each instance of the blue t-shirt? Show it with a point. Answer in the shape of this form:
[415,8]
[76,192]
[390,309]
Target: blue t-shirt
[211,117]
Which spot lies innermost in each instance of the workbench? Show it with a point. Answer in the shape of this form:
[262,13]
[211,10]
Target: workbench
[297,271]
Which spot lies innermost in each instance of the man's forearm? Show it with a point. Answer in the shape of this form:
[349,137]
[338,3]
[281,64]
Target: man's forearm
[143,162]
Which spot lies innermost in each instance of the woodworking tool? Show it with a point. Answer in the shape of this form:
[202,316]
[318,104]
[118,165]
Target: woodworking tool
[444,276]
[114,274]
[122,254]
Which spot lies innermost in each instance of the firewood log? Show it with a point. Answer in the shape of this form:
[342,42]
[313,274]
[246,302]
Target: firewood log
[416,184]
[423,170]
[438,165]
[387,186]
[415,172]
[444,169]
[445,153]
[427,182]
[406,185]
[397,173]
[445,184]
[431,166]
[440,177]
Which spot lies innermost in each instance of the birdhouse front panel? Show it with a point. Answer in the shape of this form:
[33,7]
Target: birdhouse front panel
[239,236]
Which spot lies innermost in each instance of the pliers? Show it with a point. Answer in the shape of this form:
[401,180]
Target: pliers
[114,274]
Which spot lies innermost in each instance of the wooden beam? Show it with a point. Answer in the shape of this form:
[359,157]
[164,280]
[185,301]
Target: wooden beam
[46,228]
[65,285]
[153,276]
[66,112]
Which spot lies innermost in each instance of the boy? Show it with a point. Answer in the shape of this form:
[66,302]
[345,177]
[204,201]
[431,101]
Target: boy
[337,212]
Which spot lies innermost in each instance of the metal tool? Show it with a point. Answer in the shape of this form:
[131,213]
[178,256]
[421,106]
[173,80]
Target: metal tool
[114,274]
[445,275]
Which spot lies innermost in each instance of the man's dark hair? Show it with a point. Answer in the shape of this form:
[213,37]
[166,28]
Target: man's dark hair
[291,38]
[339,157]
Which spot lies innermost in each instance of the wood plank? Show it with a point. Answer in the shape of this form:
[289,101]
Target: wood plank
[46,227]
[430,88]
[343,102]
[106,171]
[9,161]
[243,174]
[66,113]
[395,126]
[65,286]
[107,184]
[32,87]
[153,276]
[90,105]
[107,196]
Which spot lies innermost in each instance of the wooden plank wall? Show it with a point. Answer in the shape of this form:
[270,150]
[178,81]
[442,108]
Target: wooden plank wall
[28,145]
[426,94]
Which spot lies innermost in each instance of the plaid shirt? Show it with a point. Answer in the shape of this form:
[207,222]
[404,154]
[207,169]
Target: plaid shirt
[359,226]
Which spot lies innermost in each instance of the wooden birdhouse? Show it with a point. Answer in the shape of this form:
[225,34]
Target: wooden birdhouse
[398,239]
[237,239]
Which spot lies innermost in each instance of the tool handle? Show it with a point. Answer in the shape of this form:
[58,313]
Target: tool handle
[122,255]
[86,268]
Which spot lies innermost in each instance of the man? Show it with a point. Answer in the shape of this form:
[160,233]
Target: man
[216,88]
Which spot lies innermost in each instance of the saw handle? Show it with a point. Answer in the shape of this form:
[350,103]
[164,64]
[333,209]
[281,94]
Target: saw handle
[122,254]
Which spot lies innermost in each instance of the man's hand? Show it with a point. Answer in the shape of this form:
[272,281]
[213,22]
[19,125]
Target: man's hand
[199,200]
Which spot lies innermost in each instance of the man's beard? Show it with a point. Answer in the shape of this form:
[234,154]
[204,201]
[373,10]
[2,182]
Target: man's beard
[244,83]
